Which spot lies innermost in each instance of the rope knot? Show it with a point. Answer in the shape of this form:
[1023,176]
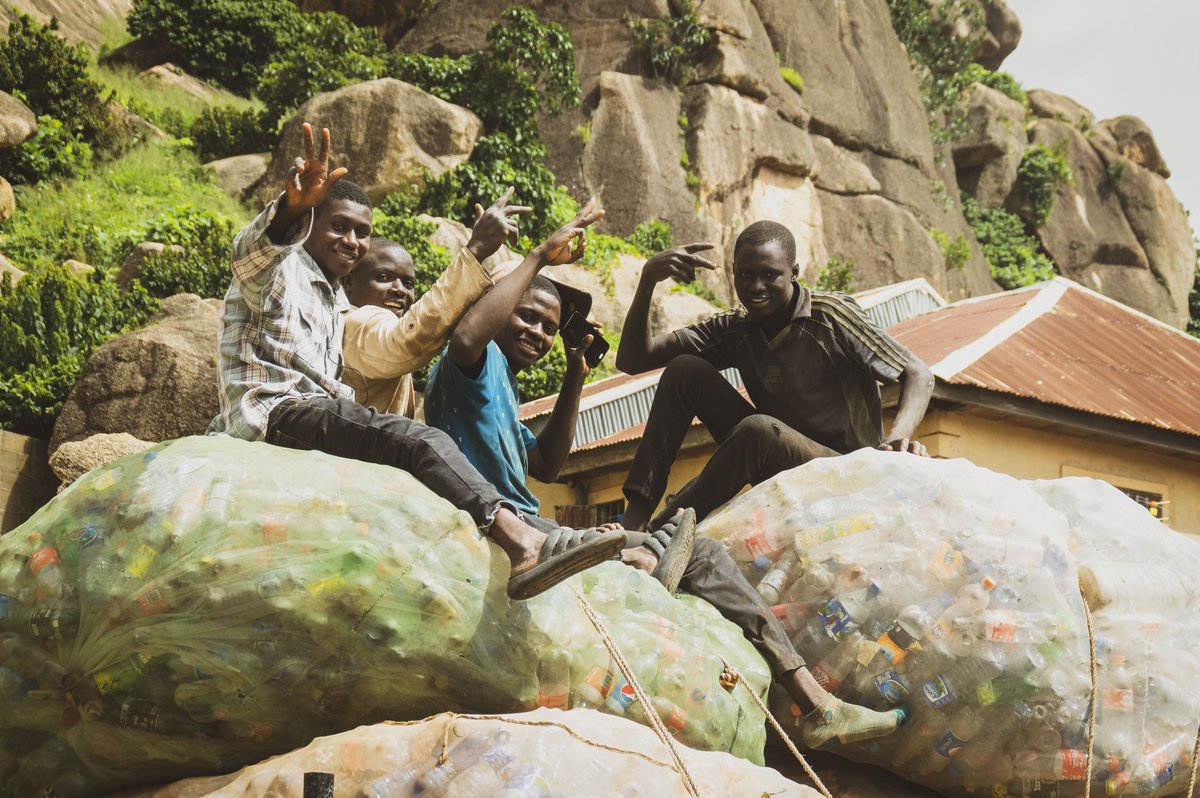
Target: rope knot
[729,678]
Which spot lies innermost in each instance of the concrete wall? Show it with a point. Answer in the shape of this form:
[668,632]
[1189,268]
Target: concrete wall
[1005,446]
[26,481]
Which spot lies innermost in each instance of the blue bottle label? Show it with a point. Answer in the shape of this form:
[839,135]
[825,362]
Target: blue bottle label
[937,692]
[891,687]
[836,620]
[5,607]
[623,694]
[949,745]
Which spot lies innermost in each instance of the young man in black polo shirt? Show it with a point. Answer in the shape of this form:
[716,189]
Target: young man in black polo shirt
[811,362]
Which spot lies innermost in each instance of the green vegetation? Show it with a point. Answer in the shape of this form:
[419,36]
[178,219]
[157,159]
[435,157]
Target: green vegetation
[955,252]
[1115,170]
[940,57]
[54,151]
[230,42]
[675,44]
[1042,171]
[49,75]
[49,323]
[97,217]
[836,275]
[1014,257]
[1193,325]
[222,131]
[1000,81]
[792,78]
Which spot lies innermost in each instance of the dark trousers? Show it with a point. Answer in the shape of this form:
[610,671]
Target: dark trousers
[713,575]
[344,428]
[751,447]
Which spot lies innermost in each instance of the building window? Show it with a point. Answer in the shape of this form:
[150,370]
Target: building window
[1151,495]
[582,516]
[1151,501]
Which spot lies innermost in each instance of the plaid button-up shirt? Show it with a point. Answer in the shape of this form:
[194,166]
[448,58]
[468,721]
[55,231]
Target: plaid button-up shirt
[281,331]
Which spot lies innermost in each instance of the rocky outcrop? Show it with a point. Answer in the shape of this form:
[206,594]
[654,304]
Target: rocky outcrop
[389,134]
[673,307]
[157,383]
[8,200]
[987,156]
[453,235]
[78,269]
[238,175]
[1135,143]
[74,459]
[1048,105]
[633,156]
[77,22]
[169,76]
[1001,33]
[17,122]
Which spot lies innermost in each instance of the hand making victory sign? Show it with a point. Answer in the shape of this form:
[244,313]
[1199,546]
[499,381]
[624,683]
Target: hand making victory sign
[495,225]
[307,185]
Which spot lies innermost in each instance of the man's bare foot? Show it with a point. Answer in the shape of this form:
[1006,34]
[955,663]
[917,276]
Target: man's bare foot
[521,542]
[640,558]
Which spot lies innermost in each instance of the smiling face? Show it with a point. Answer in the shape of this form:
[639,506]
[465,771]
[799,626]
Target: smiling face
[531,328]
[385,277]
[763,278]
[341,236]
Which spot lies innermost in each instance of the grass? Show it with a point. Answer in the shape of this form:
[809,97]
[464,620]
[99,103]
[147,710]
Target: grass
[92,217]
[170,107]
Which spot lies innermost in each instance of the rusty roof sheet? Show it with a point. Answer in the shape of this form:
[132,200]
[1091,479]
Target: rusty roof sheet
[1064,344]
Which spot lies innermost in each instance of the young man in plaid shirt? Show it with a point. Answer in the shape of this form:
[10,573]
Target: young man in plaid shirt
[280,361]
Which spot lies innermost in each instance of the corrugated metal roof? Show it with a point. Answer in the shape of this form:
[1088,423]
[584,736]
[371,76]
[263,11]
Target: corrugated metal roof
[1064,344]
[614,409]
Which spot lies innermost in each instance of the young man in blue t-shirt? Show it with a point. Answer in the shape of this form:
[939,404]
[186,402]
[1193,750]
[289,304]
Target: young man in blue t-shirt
[472,396]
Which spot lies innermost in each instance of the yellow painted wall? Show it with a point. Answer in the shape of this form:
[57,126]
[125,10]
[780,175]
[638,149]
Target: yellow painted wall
[606,486]
[1006,447]
[1028,453]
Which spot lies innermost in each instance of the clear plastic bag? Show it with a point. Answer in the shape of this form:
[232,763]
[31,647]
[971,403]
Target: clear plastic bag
[210,602]
[954,591]
[539,754]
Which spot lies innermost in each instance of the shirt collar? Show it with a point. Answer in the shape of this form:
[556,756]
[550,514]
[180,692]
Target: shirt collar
[318,278]
[803,309]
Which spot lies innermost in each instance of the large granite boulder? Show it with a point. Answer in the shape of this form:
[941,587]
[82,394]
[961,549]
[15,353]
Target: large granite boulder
[1048,105]
[1001,34]
[857,79]
[86,22]
[17,122]
[987,156]
[156,383]
[633,156]
[388,133]
[238,175]
[886,241]
[1087,224]
[8,200]
[452,235]
[673,306]
[1135,143]
[170,76]
[1161,225]
[75,458]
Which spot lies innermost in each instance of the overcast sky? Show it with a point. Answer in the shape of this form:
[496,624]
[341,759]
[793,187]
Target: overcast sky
[1139,57]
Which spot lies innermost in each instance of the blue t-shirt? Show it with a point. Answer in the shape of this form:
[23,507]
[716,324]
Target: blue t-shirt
[480,415]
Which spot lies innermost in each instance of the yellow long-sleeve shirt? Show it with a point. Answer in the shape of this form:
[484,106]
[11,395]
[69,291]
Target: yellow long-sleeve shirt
[382,350]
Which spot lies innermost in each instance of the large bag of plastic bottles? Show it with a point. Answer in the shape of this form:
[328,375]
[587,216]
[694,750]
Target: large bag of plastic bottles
[955,592]
[210,602]
[539,754]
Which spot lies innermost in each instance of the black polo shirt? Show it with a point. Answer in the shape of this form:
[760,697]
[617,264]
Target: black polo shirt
[820,375]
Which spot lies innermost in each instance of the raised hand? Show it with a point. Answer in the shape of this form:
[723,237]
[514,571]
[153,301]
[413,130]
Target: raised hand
[309,181]
[495,225]
[557,249]
[680,263]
